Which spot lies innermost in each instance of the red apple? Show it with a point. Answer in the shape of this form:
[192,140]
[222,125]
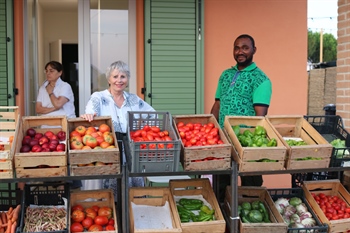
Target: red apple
[36,148]
[31,132]
[52,146]
[61,135]
[61,147]
[45,150]
[54,137]
[45,145]
[26,140]
[48,134]
[54,141]
[38,135]
[33,142]
[43,140]
[25,148]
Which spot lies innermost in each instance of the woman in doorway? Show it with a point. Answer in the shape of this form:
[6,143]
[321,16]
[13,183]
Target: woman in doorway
[55,96]
[115,102]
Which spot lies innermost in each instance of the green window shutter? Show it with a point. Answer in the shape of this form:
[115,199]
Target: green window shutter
[171,55]
[3,55]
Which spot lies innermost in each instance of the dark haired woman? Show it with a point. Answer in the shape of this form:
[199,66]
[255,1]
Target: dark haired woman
[55,96]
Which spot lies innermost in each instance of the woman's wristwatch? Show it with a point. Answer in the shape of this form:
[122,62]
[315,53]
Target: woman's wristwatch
[50,94]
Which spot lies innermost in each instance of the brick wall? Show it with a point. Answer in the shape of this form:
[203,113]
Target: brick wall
[343,62]
[322,89]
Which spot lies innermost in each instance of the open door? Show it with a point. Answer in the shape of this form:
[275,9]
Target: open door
[56,51]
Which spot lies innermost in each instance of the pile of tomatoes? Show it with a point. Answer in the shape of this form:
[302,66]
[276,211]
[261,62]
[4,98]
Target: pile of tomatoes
[197,134]
[154,134]
[92,219]
[332,206]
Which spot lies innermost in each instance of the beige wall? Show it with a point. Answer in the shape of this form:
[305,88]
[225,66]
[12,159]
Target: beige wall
[280,32]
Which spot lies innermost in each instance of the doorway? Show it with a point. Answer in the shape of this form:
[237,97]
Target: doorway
[70,70]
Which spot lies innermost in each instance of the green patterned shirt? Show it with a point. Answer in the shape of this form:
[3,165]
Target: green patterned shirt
[239,90]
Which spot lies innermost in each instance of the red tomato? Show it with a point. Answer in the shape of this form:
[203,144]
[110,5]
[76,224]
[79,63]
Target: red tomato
[180,124]
[87,222]
[78,215]
[166,133]
[161,146]
[95,227]
[347,210]
[90,212]
[322,195]
[77,207]
[105,211]
[111,221]
[76,227]
[137,133]
[110,228]
[155,129]
[101,220]
[170,146]
[146,128]
[211,125]
[150,137]
[95,207]
[190,126]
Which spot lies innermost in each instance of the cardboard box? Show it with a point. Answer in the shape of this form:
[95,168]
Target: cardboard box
[328,187]
[41,164]
[81,161]
[9,120]
[210,157]
[247,157]
[190,187]
[297,127]
[153,197]
[89,198]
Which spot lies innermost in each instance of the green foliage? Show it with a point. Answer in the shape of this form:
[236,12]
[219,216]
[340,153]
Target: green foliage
[329,47]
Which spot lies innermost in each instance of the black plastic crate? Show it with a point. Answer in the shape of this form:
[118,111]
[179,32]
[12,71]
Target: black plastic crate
[10,196]
[331,128]
[298,192]
[45,195]
[299,178]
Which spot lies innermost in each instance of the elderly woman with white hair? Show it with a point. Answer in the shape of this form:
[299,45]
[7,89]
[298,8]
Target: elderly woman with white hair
[115,102]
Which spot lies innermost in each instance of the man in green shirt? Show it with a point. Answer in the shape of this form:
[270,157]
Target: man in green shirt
[243,90]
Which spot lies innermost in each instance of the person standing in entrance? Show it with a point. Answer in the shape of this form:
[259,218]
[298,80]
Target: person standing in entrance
[243,90]
[55,96]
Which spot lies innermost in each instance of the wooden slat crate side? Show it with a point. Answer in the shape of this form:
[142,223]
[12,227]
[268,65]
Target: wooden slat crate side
[307,164]
[222,164]
[41,172]
[110,169]
[261,166]
[328,187]
[6,165]
[89,156]
[89,198]
[317,151]
[199,187]
[39,122]
[153,196]
[35,160]
[6,174]
[9,113]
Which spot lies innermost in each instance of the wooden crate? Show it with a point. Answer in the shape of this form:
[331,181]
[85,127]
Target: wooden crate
[110,156]
[9,120]
[245,156]
[41,164]
[251,194]
[89,198]
[189,155]
[190,187]
[328,187]
[317,146]
[153,196]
